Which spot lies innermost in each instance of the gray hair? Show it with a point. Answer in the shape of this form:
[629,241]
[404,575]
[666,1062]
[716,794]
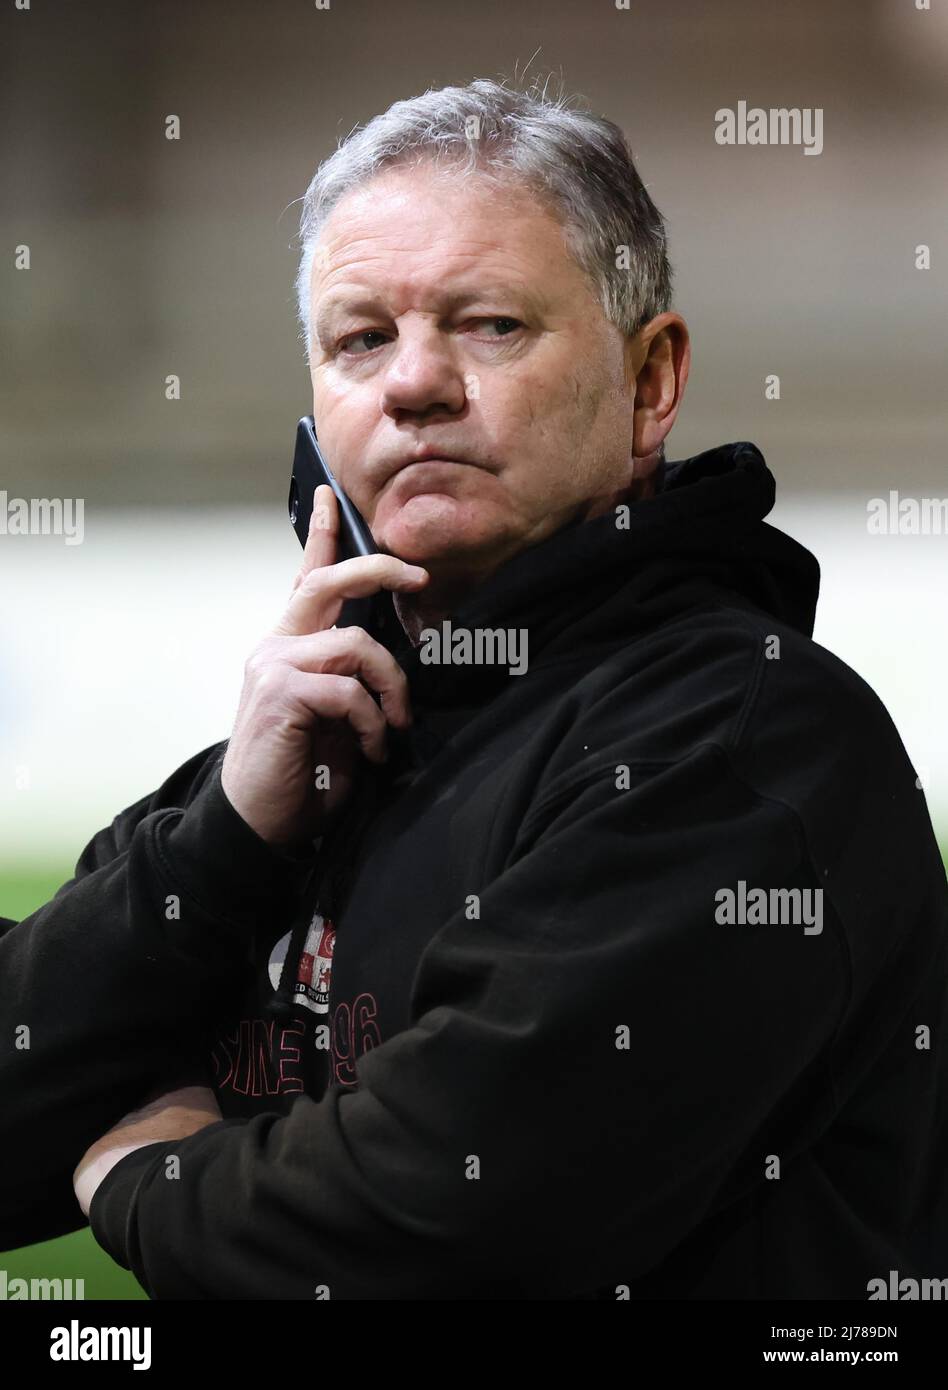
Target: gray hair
[578,163]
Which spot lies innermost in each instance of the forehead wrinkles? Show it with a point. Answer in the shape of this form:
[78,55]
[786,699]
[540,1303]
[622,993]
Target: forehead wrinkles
[470,271]
[368,255]
[382,228]
[410,249]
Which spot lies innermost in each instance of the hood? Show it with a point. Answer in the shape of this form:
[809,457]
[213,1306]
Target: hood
[594,580]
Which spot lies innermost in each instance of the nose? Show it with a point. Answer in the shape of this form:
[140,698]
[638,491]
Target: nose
[422,375]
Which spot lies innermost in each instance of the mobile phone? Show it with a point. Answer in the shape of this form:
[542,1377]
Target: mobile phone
[374,613]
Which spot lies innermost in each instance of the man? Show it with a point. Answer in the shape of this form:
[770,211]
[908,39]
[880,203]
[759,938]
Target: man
[635,950]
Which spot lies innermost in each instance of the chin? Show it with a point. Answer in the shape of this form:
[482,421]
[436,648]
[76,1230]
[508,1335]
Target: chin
[436,532]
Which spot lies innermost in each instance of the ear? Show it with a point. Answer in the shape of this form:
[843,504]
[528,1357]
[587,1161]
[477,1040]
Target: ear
[645,468]
[660,359]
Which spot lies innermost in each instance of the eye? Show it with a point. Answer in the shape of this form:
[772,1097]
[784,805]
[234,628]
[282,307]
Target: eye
[343,345]
[496,320]
[502,319]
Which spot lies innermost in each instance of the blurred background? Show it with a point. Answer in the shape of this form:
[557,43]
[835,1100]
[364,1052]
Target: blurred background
[123,655]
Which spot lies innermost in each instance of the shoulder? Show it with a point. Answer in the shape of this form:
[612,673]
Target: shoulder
[787,714]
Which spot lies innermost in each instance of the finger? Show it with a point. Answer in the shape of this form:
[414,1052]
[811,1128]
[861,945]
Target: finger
[315,603]
[342,698]
[321,538]
[350,651]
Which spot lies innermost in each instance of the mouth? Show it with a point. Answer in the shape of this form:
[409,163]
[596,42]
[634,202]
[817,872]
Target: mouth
[435,461]
[429,456]
[426,475]
[427,464]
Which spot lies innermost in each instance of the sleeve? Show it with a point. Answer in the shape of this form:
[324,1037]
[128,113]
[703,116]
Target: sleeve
[105,989]
[593,1066]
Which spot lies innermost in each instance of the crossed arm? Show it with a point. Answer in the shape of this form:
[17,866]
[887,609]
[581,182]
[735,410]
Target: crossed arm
[596,1043]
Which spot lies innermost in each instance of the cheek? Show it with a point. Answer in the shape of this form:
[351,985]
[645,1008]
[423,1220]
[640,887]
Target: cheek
[336,408]
[341,432]
[530,407]
[554,413]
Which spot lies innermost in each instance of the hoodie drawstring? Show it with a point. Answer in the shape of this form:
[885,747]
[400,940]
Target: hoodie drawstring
[281,1004]
[332,879]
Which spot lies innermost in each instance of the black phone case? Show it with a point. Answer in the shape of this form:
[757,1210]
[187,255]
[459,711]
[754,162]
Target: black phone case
[375,612]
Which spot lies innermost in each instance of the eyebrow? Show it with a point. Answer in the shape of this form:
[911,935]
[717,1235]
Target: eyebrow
[366,303]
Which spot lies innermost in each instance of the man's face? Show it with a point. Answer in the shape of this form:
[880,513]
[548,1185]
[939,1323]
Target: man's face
[447,317]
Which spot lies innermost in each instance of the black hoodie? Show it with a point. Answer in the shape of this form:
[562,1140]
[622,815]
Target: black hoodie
[624,977]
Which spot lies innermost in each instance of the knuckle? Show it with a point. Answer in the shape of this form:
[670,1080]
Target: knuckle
[349,686]
[260,658]
[347,691]
[351,639]
[264,670]
[254,665]
[348,643]
[333,653]
[310,584]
